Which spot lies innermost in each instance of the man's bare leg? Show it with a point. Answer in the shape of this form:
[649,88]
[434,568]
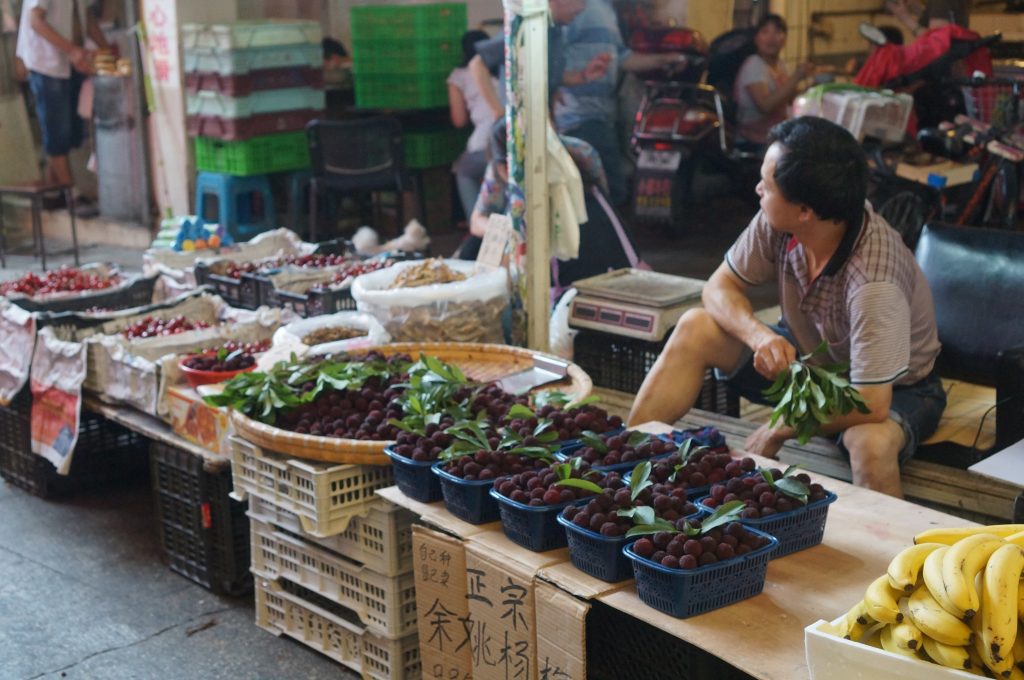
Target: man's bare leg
[674,382]
[58,170]
[874,456]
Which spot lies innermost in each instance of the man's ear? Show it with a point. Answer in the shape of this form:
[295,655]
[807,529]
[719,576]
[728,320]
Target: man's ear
[806,214]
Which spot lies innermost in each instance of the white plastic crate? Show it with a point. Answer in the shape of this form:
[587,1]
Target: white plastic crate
[381,541]
[385,604]
[883,115]
[830,657]
[210,103]
[238,62]
[322,627]
[325,496]
[247,34]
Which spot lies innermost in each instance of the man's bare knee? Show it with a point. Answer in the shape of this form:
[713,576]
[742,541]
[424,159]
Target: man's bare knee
[699,335]
[874,450]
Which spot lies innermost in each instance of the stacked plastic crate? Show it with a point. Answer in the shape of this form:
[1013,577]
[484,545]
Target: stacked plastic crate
[251,89]
[401,58]
[332,563]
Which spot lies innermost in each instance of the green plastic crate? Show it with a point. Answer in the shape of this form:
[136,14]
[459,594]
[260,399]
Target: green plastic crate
[406,22]
[426,55]
[432,148]
[402,91]
[257,156]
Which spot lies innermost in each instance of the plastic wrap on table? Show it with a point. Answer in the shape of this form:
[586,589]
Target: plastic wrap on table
[462,311]
[18,338]
[58,370]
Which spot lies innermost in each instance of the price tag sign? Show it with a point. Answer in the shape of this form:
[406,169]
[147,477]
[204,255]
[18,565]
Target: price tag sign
[496,239]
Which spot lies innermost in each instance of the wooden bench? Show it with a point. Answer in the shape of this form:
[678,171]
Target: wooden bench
[958,492]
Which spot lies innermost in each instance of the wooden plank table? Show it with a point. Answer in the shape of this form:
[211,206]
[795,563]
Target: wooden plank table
[763,635]
[154,428]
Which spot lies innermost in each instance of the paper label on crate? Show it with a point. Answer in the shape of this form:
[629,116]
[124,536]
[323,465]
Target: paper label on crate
[58,371]
[17,337]
[503,634]
[442,609]
[496,240]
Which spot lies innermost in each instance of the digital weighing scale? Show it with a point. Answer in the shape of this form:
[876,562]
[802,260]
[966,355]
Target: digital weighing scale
[633,302]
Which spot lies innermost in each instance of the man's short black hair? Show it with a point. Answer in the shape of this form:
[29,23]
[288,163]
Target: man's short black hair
[775,19]
[823,167]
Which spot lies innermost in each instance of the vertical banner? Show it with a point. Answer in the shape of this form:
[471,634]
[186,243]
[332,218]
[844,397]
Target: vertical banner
[162,63]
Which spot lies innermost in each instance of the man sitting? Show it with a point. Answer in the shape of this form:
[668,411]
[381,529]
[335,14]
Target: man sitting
[844,276]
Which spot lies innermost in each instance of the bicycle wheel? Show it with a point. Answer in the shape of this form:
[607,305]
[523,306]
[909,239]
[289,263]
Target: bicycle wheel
[906,212]
[1001,205]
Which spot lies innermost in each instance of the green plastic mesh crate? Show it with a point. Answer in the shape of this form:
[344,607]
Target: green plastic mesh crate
[256,156]
[406,22]
[410,91]
[388,56]
[431,148]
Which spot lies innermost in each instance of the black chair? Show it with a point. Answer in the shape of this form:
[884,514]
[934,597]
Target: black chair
[356,156]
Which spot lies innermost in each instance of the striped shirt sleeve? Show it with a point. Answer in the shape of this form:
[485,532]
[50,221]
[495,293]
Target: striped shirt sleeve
[753,257]
[879,334]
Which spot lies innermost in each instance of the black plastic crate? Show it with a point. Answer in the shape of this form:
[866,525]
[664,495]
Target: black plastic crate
[314,303]
[622,363]
[243,293]
[105,453]
[204,532]
[136,294]
[622,647]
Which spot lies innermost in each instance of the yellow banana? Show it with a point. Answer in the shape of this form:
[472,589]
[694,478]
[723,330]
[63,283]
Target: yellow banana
[855,622]
[881,601]
[1020,600]
[1016,539]
[947,655]
[999,594]
[873,637]
[1018,650]
[1016,673]
[936,622]
[905,567]
[951,536]
[889,643]
[906,636]
[977,664]
[961,563]
[931,574]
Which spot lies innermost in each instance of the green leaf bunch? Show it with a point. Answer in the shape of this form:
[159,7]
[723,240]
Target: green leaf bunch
[724,514]
[807,396]
[787,484]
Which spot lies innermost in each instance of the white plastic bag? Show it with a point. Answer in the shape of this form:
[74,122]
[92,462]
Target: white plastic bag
[462,311]
[560,336]
[290,337]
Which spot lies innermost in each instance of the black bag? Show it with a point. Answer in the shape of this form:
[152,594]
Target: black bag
[728,52]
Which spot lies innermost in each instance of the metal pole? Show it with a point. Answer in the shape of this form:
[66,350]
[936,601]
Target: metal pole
[141,113]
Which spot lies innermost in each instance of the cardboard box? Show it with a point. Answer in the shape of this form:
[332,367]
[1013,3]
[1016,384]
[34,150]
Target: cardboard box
[190,417]
[561,633]
[443,621]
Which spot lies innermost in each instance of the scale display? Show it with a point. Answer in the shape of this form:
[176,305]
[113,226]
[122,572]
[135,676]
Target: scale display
[633,303]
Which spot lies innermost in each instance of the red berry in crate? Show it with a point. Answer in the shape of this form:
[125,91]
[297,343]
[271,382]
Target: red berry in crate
[152,327]
[573,422]
[537,485]
[256,347]
[626,447]
[697,550]
[62,280]
[220,361]
[701,467]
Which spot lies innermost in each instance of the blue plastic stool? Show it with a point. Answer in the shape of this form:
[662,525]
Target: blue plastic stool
[234,196]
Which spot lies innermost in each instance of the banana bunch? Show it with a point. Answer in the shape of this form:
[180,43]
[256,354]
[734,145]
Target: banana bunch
[955,597]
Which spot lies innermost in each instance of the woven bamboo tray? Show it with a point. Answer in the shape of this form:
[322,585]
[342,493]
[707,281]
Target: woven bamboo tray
[482,362]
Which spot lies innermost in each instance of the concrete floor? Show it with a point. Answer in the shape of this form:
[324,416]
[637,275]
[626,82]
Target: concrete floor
[83,591]
[84,594]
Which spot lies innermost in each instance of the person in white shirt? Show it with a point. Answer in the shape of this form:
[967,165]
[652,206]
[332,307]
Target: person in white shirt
[49,44]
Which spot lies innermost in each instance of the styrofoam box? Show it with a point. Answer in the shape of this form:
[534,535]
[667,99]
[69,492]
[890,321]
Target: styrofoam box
[237,62]
[830,657]
[381,541]
[373,656]
[246,34]
[325,496]
[208,103]
[386,605]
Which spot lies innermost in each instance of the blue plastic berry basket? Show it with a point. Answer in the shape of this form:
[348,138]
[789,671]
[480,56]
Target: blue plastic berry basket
[599,555]
[687,592]
[705,436]
[414,478]
[533,527]
[467,500]
[795,530]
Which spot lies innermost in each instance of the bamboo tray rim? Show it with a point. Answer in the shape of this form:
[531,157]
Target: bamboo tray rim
[370,452]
